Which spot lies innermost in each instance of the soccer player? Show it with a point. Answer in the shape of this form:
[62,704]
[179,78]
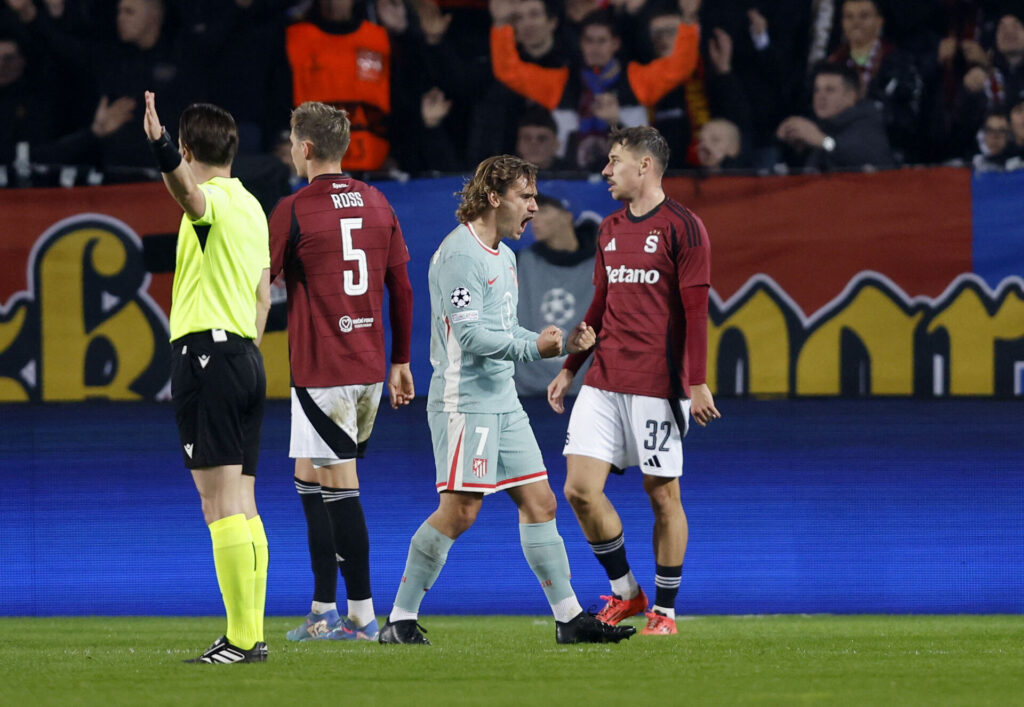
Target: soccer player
[650,308]
[219,305]
[338,243]
[481,434]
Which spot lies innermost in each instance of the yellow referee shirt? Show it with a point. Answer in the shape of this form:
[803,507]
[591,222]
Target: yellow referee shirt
[218,263]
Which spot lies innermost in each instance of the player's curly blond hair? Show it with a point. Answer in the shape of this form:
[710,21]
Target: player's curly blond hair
[493,176]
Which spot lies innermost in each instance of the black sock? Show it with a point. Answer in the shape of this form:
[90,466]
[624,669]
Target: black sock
[351,540]
[612,556]
[321,542]
[666,583]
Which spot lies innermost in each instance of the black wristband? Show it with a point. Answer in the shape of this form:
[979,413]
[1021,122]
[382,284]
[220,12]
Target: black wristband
[167,156]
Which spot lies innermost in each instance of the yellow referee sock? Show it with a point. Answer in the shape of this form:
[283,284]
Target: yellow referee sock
[259,544]
[233,556]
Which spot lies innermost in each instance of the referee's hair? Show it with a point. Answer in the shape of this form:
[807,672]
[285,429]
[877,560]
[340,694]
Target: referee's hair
[326,127]
[210,133]
[640,139]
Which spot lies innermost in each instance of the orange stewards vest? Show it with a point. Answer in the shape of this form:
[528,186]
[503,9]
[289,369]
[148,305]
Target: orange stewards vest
[350,71]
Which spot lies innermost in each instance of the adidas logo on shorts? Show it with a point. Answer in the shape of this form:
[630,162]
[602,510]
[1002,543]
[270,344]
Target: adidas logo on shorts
[653,462]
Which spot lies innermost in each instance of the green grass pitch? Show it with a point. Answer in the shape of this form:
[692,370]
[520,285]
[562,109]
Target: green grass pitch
[514,660]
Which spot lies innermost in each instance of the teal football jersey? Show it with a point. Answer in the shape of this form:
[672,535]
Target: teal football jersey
[475,337]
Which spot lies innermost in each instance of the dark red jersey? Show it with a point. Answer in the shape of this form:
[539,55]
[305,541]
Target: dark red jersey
[644,265]
[335,241]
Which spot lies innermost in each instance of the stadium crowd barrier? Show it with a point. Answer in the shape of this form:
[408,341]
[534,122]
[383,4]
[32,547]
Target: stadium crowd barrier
[897,283]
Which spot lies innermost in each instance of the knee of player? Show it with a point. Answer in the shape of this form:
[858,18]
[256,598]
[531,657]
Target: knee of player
[541,508]
[464,516]
[664,495]
[579,496]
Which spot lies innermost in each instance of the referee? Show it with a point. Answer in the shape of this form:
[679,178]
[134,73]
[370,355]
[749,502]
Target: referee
[219,306]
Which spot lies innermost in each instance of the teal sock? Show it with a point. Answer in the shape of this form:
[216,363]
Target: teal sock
[428,552]
[545,552]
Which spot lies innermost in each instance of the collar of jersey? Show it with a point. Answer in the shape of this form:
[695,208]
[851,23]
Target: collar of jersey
[492,251]
[637,219]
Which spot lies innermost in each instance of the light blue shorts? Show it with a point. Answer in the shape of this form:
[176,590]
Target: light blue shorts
[484,452]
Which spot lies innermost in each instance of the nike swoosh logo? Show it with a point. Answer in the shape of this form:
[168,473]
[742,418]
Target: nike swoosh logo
[491,282]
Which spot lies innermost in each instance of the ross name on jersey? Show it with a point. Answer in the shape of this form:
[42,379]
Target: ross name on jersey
[624,274]
[342,201]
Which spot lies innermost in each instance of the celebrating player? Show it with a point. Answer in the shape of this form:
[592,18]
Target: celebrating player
[338,243]
[652,277]
[482,437]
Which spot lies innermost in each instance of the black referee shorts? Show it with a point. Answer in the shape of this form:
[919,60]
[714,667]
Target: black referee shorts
[218,387]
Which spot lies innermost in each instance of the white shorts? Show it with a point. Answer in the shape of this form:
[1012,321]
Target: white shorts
[332,425]
[629,430]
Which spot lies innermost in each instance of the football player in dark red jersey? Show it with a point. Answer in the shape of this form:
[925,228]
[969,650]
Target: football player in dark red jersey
[651,277]
[338,244]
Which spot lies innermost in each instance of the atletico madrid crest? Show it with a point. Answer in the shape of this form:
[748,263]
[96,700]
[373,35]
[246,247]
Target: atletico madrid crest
[479,467]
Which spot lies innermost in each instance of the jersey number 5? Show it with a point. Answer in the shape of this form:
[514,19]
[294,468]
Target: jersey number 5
[354,284]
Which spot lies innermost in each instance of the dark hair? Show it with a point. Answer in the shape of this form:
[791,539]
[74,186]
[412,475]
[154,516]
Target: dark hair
[600,18]
[493,176]
[846,73]
[876,3]
[538,116]
[553,8]
[328,128]
[545,200]
[8,34]
[1016,9]
[210,133]
[643,138]
[664,11]
[997,112]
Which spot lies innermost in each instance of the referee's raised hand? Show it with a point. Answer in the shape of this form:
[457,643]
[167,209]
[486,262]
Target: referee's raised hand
[151,121]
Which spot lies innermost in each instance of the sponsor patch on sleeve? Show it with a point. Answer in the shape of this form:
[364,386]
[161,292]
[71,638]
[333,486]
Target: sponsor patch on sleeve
[471,315]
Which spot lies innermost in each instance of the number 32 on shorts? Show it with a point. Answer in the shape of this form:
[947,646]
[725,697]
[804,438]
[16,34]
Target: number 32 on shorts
[656,430]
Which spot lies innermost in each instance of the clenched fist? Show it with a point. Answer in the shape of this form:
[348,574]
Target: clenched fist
[549,343]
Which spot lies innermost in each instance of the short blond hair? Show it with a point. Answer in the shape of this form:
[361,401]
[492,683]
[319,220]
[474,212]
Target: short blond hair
[326,127]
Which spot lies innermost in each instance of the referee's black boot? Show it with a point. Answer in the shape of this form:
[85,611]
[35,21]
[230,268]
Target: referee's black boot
[223,651]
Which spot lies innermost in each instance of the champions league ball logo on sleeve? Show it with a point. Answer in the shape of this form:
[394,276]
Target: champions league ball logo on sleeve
[460,297]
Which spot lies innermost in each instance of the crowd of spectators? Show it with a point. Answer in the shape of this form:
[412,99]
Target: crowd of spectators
[437,85]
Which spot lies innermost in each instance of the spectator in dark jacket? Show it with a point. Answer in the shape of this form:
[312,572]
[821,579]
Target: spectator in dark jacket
[846,133]
[887,74]
[29,131]
[994,84]
[144,57]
